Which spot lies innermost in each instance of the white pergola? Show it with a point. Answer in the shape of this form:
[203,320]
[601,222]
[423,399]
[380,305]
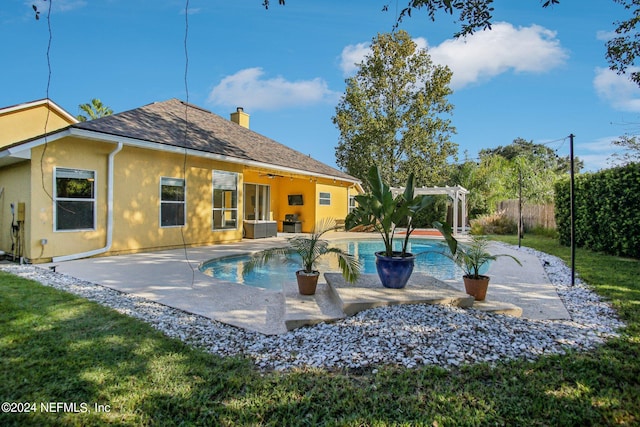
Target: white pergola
[457,194]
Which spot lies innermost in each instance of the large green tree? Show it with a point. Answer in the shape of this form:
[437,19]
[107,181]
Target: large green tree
[503,172]
[395,114]
[540,154]
[93,110]
[531,169]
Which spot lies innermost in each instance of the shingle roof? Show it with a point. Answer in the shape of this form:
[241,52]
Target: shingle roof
[164,123]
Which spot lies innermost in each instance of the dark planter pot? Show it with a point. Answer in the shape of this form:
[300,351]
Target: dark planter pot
[307,282]
[394,272]
[477,288]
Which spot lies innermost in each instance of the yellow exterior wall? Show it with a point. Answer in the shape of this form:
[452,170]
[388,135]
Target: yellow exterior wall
[339,206]
[21,124]
[68,153]
[15,188]
[136,221]
[306,213]
[137,201]
[136,214]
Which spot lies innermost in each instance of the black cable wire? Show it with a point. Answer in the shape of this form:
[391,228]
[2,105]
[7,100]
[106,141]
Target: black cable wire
[46,123]
[186,134]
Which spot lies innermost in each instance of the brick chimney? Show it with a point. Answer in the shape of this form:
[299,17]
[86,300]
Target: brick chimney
[240,117]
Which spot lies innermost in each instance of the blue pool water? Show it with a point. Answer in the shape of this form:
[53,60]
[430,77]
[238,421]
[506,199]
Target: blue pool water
[275,273]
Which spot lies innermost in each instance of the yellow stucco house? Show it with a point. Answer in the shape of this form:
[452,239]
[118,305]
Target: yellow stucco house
[160,176]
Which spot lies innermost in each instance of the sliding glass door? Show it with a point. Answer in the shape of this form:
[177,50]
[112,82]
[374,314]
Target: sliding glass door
[257,202]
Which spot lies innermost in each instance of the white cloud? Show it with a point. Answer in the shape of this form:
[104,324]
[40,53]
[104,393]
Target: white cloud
[485,54]
[620,92]
[597,154]
[351,56]
[248,88]
[606,35]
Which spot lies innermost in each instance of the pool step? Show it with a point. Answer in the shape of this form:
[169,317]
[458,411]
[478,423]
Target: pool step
[368,292]
[338,299]
[307,310]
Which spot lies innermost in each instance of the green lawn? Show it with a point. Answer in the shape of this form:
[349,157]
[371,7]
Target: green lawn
[56,348]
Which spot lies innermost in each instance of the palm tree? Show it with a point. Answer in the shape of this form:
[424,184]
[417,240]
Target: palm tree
[94,110]
[309,249]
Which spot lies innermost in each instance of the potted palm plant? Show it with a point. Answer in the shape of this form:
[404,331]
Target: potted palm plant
[471,258]
[308,250]
[384,212]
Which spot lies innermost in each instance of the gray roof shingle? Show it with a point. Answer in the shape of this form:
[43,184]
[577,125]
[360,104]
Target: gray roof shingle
[164,123]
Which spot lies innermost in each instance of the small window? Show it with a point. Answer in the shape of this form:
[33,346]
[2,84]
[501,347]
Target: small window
[325,198]
[74,199]
[352,203]
[172,202]
[225,200]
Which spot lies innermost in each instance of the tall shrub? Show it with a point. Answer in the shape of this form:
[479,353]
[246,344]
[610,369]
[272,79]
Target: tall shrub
[607,211]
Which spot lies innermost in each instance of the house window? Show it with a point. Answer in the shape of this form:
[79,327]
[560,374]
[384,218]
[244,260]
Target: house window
[172,202]
[325,198]
[352,203]
[225,200]
[75,199]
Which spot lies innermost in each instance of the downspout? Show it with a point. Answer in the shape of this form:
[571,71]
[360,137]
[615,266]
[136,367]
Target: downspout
[107,246]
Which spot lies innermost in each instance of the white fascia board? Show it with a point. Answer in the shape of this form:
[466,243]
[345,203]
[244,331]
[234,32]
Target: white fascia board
[23,151]
[149,145]
[31,104]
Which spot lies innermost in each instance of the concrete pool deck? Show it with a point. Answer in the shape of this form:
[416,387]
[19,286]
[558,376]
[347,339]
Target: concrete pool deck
[172,278]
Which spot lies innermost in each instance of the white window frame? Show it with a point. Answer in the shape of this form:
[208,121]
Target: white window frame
[324,198]
[351,204]
[224,209]
[93,200]
[183,202]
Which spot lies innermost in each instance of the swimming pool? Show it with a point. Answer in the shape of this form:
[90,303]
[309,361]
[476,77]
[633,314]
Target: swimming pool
[275,273]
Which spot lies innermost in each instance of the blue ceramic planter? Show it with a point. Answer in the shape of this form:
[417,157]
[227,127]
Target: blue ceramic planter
[394,272]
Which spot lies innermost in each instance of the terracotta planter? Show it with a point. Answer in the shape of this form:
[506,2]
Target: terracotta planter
[307,282]
[477,288]
[394,272]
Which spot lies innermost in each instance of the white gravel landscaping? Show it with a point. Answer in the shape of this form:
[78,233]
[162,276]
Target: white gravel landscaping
[404,335]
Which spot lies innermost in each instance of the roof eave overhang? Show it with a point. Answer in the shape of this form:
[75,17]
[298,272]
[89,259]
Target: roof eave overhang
[150,145]
[37,103]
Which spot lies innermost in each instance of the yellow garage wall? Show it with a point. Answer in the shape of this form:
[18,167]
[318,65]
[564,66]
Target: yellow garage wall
[15,188]
[21,124]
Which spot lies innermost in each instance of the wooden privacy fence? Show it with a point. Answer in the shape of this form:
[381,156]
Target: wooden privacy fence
[532,215]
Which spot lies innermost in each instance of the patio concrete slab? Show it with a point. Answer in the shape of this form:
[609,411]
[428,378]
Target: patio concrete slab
[172,278]
[527,286]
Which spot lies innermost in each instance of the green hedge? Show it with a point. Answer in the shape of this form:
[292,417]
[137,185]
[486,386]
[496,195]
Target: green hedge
[607,211]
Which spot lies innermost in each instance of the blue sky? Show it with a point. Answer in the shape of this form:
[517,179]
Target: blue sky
[540,74]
